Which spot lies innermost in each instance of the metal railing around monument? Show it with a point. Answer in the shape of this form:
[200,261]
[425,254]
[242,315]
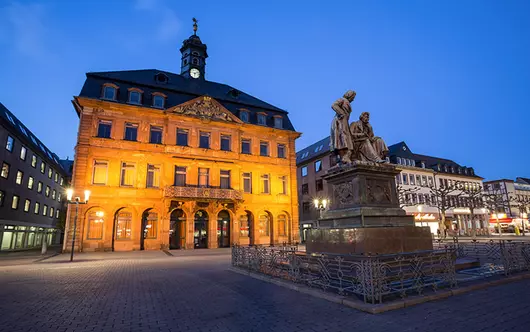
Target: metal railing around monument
[372,278]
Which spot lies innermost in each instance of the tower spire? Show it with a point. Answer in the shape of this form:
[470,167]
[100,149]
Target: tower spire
[195,26]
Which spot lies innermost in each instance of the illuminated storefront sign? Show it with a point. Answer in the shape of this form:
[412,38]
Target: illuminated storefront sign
[424,216]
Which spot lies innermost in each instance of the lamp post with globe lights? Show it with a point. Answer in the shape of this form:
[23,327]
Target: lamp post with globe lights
[321,205]
[76,201]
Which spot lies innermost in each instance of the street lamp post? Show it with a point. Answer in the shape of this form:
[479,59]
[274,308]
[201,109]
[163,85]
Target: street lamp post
[420,208]
[76,201]
[320,205]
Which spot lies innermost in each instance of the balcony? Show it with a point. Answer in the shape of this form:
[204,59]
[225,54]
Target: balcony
[204,193]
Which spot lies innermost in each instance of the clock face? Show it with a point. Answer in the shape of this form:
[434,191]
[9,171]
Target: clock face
[195,73]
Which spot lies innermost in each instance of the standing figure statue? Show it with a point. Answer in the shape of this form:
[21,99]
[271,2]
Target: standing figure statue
[340,139]
[366,146]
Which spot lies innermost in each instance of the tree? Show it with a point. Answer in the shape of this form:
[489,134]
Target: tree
[404,195]
[495,202]
[444,195]
[475,200]
[522,203]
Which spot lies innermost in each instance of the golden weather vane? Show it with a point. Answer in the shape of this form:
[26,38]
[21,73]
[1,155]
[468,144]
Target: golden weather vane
[195,26]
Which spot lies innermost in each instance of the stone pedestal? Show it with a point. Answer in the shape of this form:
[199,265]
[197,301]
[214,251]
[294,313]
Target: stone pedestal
[364,215]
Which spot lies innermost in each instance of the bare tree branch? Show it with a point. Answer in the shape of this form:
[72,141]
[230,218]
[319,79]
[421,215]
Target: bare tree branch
[404,195]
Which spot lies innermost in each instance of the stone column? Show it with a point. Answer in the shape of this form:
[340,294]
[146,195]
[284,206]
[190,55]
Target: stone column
[189,229]
[212,230]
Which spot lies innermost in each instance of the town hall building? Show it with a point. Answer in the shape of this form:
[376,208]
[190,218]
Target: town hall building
[174,161]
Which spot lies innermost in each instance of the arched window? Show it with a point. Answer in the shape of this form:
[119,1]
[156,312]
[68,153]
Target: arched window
[264,224]
[135,97]
[123,225]
[95,224]
[282,225]
[151,223]
[159,100]
[110,91]
[195,61]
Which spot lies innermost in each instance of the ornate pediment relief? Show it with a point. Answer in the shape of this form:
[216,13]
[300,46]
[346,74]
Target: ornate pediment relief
[206,108]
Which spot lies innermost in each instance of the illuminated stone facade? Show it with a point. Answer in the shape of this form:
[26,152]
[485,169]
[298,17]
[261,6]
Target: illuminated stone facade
[176,162]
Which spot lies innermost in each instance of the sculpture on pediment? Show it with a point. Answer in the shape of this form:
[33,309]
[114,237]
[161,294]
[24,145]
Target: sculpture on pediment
[204,108]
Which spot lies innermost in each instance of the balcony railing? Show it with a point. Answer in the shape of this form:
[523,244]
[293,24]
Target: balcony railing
[202,193]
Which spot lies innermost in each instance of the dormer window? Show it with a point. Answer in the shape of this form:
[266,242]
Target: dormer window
[159,100]
[110,91]
[262,119]
[244,116]
[422,164]
[161,78]
[278,122]
[135,96]
[195,61]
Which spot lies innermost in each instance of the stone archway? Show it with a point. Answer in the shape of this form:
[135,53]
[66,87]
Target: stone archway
[149,226]
[122,227]
[200,231]
[223,229]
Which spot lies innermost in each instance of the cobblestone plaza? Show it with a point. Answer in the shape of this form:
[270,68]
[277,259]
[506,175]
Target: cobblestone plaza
[194,291]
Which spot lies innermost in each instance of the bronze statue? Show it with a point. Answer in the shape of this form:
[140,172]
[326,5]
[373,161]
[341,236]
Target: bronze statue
[355,141]
[366,146]
[340,138]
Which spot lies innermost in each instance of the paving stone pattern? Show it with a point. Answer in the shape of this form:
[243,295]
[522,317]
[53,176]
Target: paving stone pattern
[151,291]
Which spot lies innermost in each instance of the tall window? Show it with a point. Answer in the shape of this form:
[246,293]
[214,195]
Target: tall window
[42,167]
[319,185]
[123,225]
[131,131]
[30,182]
[158,101]
[153,176]
[100,172]
[243,115]
[54,194]
[47,191]
[424,180]
[23,152]
[244,223]
[282,225]
[305,189]
[180,176]
[104,128]
[304,170]
[128,174]
[412,182]
[95,225]
[135,97]
[204,140]
[2,197]
[264,226]
[225,143]
[155,136]
[247,182]
[44,209]
[281,150]
[109,93]
[283,183]
[182,137]
[5,170]
[278,122]
[225,179]
[151,222]
[20,175]
[405,178]
[50,173]
[10,143]
[14,203]
[39,187]
[318,166]
[51,212]
[34,161]
[262,119]
[245,146]
[418,180]
[37,208]
[264,148]
[265,184]
[204,177]
[431,181]
[56,177]
[27,205]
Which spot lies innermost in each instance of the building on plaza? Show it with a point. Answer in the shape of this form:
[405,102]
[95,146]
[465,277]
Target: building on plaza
[32,185]
[417,171]
[174,161]
[509,212]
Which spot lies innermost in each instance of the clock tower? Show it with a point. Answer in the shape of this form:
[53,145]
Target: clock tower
[194,56]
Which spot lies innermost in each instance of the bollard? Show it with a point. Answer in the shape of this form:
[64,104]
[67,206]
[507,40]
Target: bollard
[44,246]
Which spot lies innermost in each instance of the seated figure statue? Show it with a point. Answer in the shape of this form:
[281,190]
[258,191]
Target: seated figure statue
[366,146]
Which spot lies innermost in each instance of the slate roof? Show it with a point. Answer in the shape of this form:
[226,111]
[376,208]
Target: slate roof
[314,150]
[522,180]
[68,166]
[178,90]
[400,149]
[30,140]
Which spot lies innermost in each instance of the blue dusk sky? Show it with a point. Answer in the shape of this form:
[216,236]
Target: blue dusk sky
[450,78]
